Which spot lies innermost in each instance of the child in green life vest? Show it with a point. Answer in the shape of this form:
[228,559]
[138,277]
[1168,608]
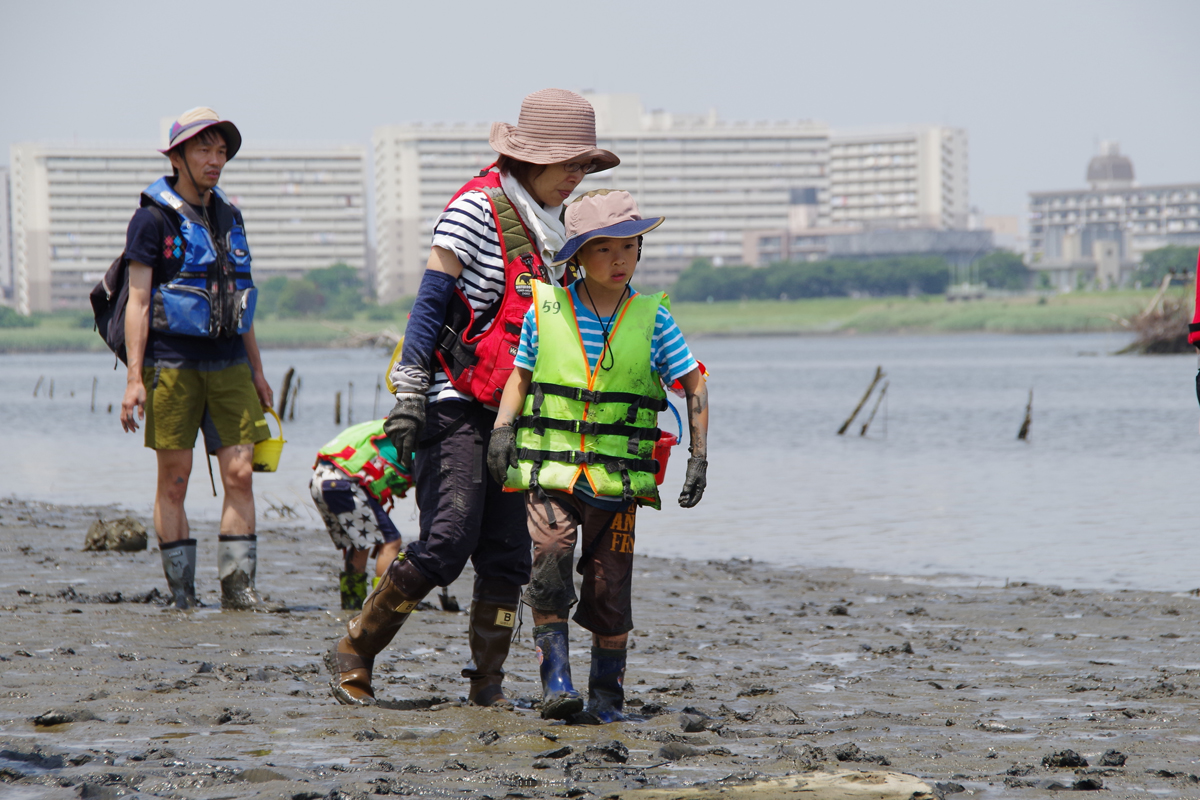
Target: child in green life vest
[576,432]
[355,480]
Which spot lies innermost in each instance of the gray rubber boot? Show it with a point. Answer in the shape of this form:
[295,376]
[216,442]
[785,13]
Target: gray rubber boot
[237,562]
[179,565]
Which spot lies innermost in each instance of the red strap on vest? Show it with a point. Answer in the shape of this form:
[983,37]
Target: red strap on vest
[1194,328]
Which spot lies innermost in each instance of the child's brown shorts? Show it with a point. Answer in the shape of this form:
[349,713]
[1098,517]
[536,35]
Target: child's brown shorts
[605,561]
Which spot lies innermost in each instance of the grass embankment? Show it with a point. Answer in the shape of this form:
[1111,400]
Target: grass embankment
[1068,313]
[55,333]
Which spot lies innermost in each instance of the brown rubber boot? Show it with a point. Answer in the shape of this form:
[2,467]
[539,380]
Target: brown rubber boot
[490,634]
[383,613]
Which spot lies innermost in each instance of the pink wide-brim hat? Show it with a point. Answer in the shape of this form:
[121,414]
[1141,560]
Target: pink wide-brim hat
[603,213]
[554,126]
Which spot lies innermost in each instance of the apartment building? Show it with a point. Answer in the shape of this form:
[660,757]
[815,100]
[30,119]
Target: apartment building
[6,275]
[1099,234]
[712,179]
[914,177]
[304,208]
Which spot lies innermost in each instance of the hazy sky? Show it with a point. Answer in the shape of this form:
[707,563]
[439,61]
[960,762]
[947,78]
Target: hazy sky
[1035,83]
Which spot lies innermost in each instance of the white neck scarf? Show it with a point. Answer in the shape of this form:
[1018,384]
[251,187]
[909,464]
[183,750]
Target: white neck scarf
[543,223]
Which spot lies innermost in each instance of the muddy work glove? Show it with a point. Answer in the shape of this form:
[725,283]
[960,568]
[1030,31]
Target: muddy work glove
[502,452]
[404,425]
[694,482]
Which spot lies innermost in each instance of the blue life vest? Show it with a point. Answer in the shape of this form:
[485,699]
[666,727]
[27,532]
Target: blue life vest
[213,294]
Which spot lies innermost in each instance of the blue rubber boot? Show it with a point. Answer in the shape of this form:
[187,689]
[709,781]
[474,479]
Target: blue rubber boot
[559,698]
[606,690]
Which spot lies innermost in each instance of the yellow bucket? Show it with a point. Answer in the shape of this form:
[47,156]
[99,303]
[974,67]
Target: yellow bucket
[268,451]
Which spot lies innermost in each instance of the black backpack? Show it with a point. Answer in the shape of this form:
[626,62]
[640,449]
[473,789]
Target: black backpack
[109,298]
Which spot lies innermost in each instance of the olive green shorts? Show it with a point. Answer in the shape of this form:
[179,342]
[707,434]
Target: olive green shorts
[221,402]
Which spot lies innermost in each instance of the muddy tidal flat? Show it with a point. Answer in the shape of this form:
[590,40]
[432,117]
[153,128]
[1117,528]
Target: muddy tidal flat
[747,681]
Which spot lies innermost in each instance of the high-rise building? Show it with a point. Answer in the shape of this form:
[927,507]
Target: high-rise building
[6,275]
[1100,233]
[710,178]
[304,209]
[899,178]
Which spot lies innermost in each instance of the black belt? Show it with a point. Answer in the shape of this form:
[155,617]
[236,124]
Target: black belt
[635,401]
[610,463]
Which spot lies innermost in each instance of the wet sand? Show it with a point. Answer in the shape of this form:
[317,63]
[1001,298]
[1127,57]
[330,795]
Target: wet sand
[743,674]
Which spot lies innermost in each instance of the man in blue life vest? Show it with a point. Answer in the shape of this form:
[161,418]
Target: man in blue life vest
[193,362]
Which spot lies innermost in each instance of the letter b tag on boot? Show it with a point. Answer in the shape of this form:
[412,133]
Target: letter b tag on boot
[406,607]
[505,618]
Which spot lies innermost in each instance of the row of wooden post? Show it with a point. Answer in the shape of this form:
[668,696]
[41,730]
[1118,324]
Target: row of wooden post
[1022,434]
[287,399]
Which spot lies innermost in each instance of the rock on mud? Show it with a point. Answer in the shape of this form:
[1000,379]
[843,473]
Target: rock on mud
[125,534]
[1064,759]
[62,716]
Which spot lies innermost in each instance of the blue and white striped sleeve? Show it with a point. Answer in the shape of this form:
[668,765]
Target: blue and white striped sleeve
[670,353]
[527,350]
[467,229]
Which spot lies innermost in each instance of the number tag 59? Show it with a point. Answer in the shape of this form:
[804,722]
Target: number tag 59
[550,307]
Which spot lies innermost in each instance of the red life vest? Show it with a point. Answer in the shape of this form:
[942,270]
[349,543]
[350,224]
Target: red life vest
[478,357]
[1194,328]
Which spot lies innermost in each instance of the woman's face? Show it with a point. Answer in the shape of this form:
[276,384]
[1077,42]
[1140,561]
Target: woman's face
[554,184]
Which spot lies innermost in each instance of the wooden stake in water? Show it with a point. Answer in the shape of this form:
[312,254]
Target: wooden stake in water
[878,401]
[93,394]
[1023,434]
[38,385]
[375,405]
[350,404]
[52,388]
[337,408]
[292,409]
[861,403]
[287,387]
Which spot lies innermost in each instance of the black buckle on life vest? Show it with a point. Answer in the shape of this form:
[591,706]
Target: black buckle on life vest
[539,397]
[533,475]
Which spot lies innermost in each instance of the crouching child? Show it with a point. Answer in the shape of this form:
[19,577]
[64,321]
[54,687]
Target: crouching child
[576,431]
[355,481]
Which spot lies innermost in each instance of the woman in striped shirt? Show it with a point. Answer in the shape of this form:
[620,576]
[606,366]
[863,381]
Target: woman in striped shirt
[447,419]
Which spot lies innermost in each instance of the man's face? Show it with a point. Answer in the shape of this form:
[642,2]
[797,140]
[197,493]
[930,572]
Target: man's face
[203,159]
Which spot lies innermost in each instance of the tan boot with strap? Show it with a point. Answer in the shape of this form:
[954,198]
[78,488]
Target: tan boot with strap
[384,612]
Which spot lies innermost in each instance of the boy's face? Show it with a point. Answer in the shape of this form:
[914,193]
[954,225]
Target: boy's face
[610,262]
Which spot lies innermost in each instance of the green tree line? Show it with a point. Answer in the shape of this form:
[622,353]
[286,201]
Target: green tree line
[900,275]
[335,292]
[888,276]
[1175,259]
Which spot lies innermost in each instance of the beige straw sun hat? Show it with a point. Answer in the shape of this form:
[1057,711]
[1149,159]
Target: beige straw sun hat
[554,126]
[194,120]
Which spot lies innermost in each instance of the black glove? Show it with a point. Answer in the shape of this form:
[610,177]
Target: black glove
[404,425]
[502,452]
[694,482]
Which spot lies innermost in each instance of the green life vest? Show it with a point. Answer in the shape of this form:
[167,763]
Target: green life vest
[365,454]
[600,424]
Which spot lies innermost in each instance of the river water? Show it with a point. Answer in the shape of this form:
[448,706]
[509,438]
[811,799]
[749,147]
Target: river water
[1099,497]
